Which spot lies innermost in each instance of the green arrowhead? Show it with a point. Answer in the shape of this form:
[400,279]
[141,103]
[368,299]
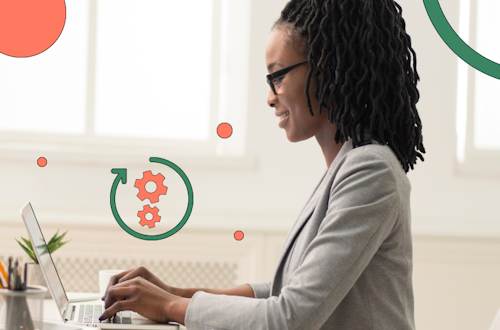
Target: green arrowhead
[122,174]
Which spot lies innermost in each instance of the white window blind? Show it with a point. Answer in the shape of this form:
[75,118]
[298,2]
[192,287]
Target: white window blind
[486,107]
[46,93]
[153,68]
[478,147]
[152,73]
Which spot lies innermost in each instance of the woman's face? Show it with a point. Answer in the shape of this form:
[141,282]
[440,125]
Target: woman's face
[299,124]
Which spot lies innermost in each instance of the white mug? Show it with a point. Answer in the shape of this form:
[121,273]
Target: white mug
[105,276]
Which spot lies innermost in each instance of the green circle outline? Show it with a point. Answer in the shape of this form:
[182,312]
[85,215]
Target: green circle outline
[186,215]
[456,44]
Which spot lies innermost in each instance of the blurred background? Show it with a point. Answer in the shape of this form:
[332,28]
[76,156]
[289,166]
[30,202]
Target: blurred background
[127,81]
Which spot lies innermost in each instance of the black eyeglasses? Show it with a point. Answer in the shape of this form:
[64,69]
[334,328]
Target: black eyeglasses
[280,73]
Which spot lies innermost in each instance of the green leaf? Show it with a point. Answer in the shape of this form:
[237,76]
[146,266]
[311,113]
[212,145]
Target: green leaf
[43,247]
[53,237]
[59,239]
[28,243]
[30,253]
[55,244]
[55,241]
[58,246]
[50,246]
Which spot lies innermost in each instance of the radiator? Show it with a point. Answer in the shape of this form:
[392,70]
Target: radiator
[82,275]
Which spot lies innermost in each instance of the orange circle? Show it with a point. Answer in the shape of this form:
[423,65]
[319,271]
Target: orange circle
[238,235]
[224,130]
[29,27]
[42,161]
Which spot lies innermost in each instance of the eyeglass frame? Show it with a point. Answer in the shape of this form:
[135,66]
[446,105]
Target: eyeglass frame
[280,73]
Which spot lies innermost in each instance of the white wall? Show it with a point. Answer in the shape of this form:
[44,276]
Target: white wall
[444,201]
[270,196]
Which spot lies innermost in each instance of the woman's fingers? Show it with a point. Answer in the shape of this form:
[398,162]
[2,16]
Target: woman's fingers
[138,295]
[117,292]
[117,306]
[115,279]
[138,271]
[147,275]
[131,274]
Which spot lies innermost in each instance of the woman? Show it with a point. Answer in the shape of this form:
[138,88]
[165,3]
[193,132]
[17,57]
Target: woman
[347,262]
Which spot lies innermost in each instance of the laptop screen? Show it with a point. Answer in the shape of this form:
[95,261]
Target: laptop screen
[44,257]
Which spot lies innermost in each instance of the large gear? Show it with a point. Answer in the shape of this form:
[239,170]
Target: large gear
[141,185]
[142,214]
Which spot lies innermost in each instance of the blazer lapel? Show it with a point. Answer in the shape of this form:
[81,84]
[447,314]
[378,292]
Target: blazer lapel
[306,213]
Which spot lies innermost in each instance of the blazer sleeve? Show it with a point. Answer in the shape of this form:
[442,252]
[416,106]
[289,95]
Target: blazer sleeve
[261,290]
[362,210]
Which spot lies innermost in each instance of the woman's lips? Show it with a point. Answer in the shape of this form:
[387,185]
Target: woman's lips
[283,120]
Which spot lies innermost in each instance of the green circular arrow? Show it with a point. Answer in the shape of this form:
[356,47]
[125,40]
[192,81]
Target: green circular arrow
[456,44]
[122,176]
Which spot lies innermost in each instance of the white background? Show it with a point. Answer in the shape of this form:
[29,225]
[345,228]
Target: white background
[269,196]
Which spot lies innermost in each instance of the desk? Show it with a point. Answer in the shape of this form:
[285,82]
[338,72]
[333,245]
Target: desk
[50,311]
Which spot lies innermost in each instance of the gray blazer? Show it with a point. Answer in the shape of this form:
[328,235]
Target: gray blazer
[346,263]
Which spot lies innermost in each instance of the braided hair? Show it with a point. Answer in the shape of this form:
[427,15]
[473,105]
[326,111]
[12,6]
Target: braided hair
[361,48]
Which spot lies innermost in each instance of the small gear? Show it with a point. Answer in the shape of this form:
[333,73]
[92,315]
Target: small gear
[142,214]
[141,185]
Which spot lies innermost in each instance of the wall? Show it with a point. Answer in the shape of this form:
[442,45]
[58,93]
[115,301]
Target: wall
[444,201]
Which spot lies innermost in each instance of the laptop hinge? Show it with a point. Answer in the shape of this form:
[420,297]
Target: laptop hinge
[65,312]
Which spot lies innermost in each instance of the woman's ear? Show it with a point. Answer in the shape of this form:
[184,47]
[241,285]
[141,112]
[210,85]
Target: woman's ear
[330,87]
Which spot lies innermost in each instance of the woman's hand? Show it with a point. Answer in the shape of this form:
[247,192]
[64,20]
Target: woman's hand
[147,299]
[139,272]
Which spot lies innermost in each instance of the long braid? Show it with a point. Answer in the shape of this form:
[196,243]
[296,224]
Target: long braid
[361,48]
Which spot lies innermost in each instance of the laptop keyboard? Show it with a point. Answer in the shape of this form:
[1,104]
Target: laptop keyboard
[91,313]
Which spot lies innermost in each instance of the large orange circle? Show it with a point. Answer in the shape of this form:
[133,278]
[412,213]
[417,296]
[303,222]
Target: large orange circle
[29,27]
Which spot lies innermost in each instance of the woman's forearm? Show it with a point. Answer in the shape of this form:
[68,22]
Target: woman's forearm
[244,290]
[177,307]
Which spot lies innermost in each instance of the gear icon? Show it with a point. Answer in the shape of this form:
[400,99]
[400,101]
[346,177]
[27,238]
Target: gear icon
[141,185]
[142,214]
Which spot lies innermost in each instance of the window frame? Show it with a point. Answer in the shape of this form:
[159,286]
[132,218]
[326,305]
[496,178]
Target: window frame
[93,149]
[469,160]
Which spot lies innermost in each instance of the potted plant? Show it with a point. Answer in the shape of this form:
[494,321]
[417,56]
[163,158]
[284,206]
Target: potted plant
[35,275]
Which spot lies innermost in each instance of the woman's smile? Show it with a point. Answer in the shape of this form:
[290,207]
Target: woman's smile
[283,119]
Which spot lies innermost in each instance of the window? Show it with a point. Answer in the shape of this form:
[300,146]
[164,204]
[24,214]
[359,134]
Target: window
[153,68]
[478,109]
[131,75]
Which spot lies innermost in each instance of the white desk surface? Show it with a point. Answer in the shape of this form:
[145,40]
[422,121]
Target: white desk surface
[50,311]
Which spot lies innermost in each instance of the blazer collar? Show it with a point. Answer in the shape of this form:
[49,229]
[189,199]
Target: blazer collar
[310,206]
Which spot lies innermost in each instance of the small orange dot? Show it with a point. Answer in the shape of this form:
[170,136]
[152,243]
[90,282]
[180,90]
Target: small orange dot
[41,161]
[224,130]
[238,235]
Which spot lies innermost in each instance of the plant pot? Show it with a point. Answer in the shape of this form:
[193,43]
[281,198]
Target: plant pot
[35,277]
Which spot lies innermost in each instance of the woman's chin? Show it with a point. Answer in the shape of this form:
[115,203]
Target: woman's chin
[291,137]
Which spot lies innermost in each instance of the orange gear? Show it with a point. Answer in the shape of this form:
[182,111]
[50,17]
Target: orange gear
[141,185]
[142,214]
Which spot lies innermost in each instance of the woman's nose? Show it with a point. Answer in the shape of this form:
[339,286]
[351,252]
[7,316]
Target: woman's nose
[272,100]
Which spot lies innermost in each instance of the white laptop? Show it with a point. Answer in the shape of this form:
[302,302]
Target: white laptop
[78,312]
